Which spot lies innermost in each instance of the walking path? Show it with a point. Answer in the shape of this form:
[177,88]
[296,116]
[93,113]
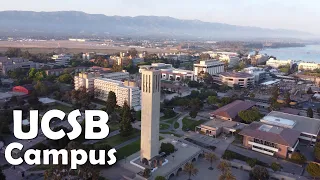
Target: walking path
[180,121]
[287,166]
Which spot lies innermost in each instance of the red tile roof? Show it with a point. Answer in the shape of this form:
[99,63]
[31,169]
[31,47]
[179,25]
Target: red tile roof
[282,136]
[231,110]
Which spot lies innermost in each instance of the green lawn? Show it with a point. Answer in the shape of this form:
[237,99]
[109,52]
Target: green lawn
[63,108]
[190,125]
[164,126]
[176,125]
[113,126]
[118,139]
[171,120]
[128,150]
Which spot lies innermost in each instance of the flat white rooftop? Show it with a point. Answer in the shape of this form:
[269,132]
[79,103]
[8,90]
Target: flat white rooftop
[299,123]
[278,121]
[270,82]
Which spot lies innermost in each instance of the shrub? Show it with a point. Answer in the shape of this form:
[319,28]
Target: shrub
[260,173]
[251,162]
[297,157]
[168,148]
[275,166]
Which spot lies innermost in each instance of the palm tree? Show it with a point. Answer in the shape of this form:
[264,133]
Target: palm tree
[211,157]
[190,169]
[223,166]
[227,175]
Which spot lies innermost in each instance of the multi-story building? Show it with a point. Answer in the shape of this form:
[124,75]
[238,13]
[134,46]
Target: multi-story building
[155,66]
[278,63]
[119,76]
[125,91]
[58,72]
[244,80]
[270,139]
[209,66]
[258,59]
[231,58]
[177,74]
[308,66]
[258,73]
[9,64]
[86,80]
[62,59]
[309,128]
[170,73]
[87,56]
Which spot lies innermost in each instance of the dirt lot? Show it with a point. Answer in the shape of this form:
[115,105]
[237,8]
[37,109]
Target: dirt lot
[69,47]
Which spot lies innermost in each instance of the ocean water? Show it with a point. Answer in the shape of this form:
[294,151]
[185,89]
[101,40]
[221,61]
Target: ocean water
[309,53]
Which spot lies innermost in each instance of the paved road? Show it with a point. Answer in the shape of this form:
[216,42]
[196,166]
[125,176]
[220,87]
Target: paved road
[287,166]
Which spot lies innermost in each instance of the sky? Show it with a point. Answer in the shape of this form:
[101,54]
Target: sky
[302,15]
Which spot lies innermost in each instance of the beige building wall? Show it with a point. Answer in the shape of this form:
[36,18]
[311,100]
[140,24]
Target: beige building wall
[150,113]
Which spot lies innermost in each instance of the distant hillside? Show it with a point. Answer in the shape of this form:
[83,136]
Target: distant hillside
[80,23]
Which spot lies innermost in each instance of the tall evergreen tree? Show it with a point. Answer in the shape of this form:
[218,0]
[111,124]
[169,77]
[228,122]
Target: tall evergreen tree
[125,124]
[111,102]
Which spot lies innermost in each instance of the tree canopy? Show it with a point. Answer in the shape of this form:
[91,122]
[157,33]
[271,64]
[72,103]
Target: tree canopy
[250,115]
[111,102]
[260,173]
[313,169]
[125,124]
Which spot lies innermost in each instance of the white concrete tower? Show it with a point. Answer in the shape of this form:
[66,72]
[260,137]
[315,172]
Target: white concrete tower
[150,113]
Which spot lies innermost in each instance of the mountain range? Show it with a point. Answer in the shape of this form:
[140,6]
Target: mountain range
[74,23]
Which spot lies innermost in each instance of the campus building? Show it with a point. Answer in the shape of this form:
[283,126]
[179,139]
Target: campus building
[229,57]
[118,76]
[271,140]
[243,80]
[231,110]
[275,63]
[308,127]
[10,64]
[58,72]
[125,91]
[310,66]
[86,80]
[170,73]
[258,59]
[62,59]
[258,73]
[216,126]
[177,74]
[155,66]
[209,66]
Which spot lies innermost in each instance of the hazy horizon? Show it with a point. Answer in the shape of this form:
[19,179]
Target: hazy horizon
[273,14]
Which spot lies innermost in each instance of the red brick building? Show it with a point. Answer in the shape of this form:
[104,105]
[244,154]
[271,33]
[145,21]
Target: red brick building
[271,140]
